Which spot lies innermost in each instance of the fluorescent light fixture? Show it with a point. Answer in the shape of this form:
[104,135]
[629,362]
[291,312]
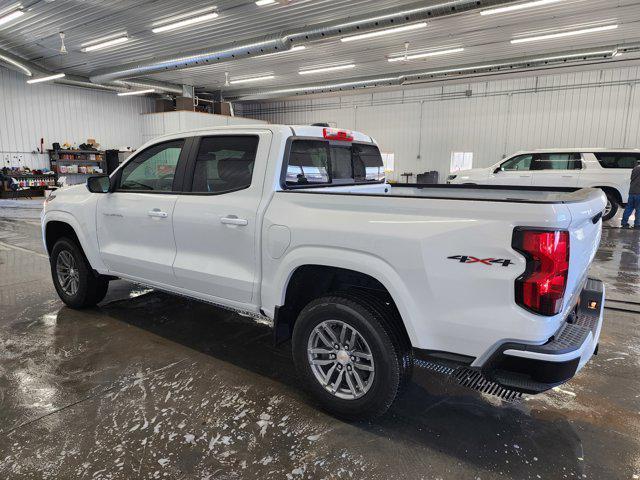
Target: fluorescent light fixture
[136,92]
[520,6]
[570,33]
[262,3]
[297,48]
[11,13]
[252,79]
[181,21]
[388,31]
[326,69]
[99,45]
[48,78]
[328,86]
[8,60]
[416,56]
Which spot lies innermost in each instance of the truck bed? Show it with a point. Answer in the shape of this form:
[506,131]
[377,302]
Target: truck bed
[408,234]
[488,193]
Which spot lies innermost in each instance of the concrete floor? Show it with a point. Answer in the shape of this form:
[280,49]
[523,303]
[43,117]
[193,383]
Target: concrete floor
[152,386]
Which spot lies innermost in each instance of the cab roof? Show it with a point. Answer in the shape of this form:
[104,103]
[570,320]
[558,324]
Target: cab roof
[285,130]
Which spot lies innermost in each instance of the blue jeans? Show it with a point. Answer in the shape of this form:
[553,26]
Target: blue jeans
[632,205]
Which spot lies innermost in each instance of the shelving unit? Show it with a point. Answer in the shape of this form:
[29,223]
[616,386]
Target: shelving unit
[37,184]
[71,163]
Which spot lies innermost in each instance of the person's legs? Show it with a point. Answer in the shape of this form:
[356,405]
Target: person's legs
[628,210]
[636,208]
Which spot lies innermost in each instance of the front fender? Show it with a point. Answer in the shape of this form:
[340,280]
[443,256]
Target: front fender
[86,236]
[275,288]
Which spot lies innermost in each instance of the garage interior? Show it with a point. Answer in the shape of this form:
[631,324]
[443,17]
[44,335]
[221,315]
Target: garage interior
[149,385]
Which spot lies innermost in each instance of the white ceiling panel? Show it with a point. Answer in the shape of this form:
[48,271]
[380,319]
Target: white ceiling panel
[485,38]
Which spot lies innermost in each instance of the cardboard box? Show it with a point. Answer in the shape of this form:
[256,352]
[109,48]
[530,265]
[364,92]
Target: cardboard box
[222,108]
[164,105]
[184,103]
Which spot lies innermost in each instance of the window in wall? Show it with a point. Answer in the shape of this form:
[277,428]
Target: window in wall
[153,169]
[461,161]
[388,160]
[224,163]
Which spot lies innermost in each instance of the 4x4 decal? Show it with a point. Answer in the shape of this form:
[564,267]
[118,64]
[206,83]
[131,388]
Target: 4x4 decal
[484,261]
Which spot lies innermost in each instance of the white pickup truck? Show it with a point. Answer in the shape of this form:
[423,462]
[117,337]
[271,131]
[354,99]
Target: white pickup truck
[607,169]
[296,224]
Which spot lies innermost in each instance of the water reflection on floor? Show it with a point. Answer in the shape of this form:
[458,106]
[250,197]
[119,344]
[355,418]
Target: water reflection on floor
[154,386]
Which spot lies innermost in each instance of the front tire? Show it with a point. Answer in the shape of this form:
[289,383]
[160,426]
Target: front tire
[347,356]
[611,209]
[73,278]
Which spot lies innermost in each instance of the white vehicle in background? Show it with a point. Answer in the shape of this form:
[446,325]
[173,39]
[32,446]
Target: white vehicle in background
[608,169]
[296,226]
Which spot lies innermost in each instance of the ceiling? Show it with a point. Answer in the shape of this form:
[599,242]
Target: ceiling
[35,36]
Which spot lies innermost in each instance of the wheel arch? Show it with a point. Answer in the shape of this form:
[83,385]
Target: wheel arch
[56,225]
[306,280]
[613,191]
[55,230]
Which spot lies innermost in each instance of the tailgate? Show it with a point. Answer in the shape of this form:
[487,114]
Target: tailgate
[585,207]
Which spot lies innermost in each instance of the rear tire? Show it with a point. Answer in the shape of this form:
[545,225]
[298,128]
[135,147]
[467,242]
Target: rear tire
[374,368]
[73,278]
[612,207]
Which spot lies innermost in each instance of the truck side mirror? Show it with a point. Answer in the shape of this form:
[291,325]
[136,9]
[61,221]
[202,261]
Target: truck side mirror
[99,184]
[497,170]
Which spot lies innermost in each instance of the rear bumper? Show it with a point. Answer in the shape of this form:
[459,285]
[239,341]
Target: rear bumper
[536,368]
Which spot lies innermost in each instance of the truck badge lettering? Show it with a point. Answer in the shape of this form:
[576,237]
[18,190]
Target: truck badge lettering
[483,261]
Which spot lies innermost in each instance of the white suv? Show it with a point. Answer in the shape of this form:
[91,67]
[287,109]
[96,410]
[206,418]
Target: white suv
[607,169]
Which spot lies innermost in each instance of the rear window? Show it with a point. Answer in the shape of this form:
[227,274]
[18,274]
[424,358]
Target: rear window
[618,160]
[308,162]
[319,162]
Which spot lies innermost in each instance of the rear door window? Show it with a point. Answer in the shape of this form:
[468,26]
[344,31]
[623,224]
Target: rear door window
[224,163]
[618,160]
[557,161]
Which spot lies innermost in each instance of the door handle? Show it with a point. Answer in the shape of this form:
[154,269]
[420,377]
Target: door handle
[525,176]
[234,220]
[157,213]
[567,176]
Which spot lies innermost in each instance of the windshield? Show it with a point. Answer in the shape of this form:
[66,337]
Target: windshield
[322,163]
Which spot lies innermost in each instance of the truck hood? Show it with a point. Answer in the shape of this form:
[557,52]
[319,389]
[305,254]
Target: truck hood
[472,174]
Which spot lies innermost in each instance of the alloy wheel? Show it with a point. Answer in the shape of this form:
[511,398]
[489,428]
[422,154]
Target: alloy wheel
[68,274]
[341,359]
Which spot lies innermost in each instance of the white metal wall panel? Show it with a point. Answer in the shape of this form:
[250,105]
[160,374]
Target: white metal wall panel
[63,114]
[599,108]
[156,124]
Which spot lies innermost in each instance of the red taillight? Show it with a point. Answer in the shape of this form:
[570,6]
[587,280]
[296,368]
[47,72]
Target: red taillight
[541,287]
[335,134]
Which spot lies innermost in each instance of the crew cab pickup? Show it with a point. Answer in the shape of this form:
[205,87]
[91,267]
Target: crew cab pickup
[296,224]
[607,169]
